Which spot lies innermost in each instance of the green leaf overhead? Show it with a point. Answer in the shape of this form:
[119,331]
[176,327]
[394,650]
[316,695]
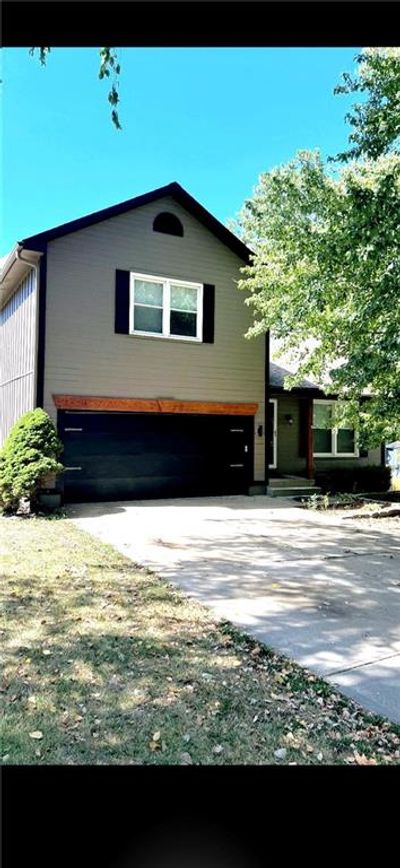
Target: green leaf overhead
[110,67]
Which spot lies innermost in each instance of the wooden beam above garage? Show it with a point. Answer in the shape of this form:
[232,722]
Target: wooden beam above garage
[152,405]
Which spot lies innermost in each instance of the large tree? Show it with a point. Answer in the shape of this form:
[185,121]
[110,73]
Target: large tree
[325,275]
[375,122]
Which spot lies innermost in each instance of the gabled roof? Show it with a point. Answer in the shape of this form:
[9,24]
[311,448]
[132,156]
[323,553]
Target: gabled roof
[38,242]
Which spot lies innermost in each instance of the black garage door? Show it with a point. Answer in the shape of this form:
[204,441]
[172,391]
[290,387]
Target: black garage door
[117,456]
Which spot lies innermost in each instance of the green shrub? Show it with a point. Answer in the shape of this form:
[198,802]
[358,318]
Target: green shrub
[370,478]
[30,454]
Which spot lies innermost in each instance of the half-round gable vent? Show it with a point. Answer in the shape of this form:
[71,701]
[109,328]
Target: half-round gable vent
[168,223]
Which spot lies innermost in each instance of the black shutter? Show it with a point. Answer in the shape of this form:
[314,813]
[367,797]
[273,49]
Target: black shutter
[208,313]
[122,302]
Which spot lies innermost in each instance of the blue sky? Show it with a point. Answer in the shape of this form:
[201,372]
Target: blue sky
[212,119]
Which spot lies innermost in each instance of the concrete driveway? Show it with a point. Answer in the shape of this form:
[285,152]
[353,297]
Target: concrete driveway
[322,590]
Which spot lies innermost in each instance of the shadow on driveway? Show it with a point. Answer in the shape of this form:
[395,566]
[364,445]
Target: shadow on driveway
[323,592]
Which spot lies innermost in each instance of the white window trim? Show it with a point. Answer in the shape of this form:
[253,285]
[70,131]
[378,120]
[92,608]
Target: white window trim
[335,453]
[166,307]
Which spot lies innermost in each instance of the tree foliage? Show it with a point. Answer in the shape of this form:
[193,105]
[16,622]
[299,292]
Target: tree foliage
[325,277]
[30,454]
[109,68]
[376,121]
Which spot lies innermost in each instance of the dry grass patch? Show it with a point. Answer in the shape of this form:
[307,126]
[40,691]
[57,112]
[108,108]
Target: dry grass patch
[106,663]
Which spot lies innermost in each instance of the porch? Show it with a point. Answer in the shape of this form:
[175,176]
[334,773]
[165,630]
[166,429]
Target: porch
[291,442]
[290,445]
[291,486]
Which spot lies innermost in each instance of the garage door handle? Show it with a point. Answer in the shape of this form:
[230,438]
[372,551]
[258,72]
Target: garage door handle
[72,468]
[73,429]
[236,465]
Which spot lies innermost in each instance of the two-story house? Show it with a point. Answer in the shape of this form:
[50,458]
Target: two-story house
[127,327]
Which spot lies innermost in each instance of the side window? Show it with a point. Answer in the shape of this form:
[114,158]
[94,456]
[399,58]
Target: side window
[322,428]
[329,440]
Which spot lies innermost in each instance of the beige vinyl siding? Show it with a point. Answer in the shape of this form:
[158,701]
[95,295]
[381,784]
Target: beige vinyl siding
[17,354]
[83,354]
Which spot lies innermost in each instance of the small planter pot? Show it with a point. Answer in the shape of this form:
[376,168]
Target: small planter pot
[50,499]
[49,481]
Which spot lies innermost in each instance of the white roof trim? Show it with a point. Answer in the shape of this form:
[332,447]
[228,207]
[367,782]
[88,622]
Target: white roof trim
[14,270]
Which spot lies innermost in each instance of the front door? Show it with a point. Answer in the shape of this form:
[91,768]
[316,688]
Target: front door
[272,425]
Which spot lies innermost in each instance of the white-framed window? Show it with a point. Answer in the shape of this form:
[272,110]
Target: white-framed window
[165,308]
[330,441]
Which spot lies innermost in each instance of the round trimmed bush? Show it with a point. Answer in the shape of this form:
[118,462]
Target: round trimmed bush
[29,454]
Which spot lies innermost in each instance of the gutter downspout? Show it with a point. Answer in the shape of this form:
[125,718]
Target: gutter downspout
[35,267]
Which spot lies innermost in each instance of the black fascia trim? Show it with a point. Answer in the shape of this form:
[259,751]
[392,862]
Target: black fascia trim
[175,190]
[40,358]
[298,392]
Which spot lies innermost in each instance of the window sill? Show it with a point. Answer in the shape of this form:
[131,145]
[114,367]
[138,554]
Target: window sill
[336,455]
[176,338]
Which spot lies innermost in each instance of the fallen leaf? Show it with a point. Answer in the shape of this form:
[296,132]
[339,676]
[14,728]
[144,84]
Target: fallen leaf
[362,760]
[218,749]
[36,734]
[185,759]
[289,737]
[280,753]
[157,736]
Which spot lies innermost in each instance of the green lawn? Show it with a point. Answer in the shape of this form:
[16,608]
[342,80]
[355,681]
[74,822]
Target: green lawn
[106,663]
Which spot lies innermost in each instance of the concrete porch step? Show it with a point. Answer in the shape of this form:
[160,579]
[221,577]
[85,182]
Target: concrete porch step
[290,482]
[292,491]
